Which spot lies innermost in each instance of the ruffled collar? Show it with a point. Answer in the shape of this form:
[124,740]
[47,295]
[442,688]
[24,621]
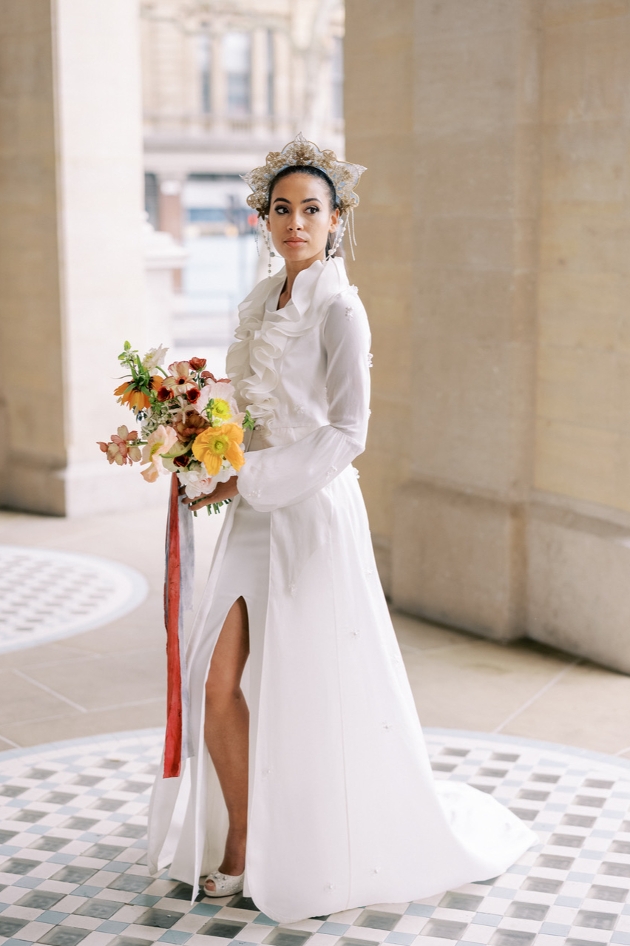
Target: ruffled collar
[251,359]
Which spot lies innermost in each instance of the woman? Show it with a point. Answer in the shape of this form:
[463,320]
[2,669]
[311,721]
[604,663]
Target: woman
[323,799]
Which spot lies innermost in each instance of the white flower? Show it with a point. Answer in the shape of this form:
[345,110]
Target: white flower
[198,483]
[154,357]
[218,391]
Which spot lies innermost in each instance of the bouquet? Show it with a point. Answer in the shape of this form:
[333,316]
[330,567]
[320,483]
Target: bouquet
[189,422]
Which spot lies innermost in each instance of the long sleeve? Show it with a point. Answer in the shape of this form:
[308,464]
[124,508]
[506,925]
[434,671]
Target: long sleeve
[288,474]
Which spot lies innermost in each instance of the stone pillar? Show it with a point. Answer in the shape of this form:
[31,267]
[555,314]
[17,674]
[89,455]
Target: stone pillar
[579,524]
[171,212]
[285,68]
[447,256]
[163,261]
[217,83]
[72,280]
[379,48]
[494,249]
[259,81]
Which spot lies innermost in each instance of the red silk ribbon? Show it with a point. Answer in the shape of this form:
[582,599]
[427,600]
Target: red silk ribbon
[172,618]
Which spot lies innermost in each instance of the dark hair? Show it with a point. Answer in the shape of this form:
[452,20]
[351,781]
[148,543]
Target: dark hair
[314,172]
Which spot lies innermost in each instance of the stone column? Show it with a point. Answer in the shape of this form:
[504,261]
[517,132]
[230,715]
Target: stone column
[72,279]
[447,256]
[217,84]
[494,260]
[259,81]
[170,205]
[379,51]
[285,69]
[579,524]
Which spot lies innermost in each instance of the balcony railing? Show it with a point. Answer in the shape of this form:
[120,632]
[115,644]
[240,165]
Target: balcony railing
[193,125]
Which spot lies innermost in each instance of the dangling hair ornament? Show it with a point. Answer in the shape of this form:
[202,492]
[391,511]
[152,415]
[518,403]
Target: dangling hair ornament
[301,153]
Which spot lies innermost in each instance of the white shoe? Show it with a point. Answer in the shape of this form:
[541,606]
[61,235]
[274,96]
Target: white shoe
[225,885]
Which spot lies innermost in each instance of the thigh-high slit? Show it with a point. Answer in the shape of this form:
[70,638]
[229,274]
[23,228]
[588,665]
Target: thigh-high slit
[244,573]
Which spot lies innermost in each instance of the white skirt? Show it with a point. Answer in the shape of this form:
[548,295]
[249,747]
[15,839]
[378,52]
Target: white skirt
[344,810]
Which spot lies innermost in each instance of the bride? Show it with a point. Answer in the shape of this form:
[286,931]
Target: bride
[310,784]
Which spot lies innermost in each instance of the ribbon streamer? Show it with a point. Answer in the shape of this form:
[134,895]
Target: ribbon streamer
[178,588]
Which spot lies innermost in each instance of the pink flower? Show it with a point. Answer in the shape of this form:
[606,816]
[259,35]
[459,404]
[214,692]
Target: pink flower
[121,449]
[158,444]
[179,381]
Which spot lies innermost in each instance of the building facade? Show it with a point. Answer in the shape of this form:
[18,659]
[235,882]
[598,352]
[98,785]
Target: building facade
[223,84]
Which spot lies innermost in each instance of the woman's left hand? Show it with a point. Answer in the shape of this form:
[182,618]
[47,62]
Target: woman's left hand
[223,491]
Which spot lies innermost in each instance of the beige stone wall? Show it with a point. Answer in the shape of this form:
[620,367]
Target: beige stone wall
[494,263]
[583,415]
[72,286]
[31,357]
[379,128]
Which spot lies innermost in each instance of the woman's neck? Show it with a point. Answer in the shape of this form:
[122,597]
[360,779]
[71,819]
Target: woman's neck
[293,268]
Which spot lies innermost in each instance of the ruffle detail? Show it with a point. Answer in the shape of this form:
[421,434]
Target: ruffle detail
[252,359]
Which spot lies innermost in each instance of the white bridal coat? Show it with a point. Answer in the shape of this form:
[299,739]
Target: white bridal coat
[343,807]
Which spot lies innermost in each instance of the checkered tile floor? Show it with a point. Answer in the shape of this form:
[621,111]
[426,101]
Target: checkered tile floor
[46,595]
[73,856]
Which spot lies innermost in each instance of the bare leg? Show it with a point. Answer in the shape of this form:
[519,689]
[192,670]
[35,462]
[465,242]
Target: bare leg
[227,730]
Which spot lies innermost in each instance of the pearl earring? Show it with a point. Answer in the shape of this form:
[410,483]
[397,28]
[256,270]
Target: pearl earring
[341,229]
[265,236]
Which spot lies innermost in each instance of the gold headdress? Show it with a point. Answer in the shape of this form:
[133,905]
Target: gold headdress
[300,152]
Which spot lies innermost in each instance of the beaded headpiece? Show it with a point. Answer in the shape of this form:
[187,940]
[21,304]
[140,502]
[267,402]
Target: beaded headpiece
[301,152]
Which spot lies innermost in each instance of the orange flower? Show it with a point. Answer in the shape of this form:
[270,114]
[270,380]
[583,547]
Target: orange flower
[216,444]
[136,400]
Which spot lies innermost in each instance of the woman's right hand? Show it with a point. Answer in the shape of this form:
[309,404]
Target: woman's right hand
[223,491]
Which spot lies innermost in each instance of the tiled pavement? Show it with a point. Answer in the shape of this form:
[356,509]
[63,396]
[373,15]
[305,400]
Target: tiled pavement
[73,868]
[46,595]
[72,816]
[89,683]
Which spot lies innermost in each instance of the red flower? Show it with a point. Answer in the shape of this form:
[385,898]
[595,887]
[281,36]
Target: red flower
[209,376]
[182,460]
[164,394]
[197,363]
[192,395]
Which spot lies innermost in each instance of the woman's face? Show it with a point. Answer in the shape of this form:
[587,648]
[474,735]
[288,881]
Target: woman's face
[301,217]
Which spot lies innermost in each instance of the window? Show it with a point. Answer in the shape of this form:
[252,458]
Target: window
[337,77]
[203,59]
[270,73]
[151,199]
[237,58]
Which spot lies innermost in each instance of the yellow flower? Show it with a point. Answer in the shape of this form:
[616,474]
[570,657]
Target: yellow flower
[216,444]
[221,409]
